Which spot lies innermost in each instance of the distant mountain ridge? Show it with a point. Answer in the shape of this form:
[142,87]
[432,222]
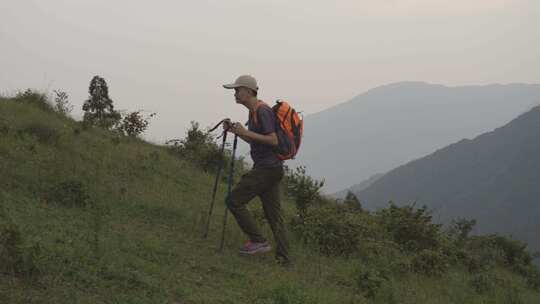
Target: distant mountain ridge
[358,187]
[392,124]
[494,178]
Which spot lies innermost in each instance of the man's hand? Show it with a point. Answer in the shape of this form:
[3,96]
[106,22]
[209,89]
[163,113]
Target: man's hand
[238,129]
[227,124]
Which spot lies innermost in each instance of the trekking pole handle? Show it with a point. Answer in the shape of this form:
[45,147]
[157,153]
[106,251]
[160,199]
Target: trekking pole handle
[225,121]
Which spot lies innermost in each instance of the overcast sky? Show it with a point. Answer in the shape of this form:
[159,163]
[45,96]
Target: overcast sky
[171,57]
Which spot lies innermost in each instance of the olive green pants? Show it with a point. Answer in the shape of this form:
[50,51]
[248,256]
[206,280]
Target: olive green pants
[264,183]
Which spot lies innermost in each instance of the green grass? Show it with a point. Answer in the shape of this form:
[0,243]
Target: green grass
[137,239]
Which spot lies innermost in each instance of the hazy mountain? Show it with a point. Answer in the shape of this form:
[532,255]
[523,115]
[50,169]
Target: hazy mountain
[494,178]
[393,124]
[358,187]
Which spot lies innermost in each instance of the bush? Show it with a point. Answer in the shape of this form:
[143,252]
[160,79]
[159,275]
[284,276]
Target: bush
[368,280]
[497,249]
[61,103]
[461,228]
[482,253]
[430,262]
[479,261]
[198,147]
[515,252]
[44,133]
[531,273]
[34,98]
[133,124]
[304,190]
[335,231]
[411,228]
[69,193]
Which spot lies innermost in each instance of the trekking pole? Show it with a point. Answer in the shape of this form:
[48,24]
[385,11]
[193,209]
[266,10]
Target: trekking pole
[216,182]
[229,190]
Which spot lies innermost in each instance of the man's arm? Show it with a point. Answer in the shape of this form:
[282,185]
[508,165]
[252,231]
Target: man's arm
[249,136]
[268,139]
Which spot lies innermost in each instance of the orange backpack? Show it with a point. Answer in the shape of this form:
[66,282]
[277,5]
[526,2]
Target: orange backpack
[289,128]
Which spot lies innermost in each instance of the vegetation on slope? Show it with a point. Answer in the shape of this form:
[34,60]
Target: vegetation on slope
[89,215]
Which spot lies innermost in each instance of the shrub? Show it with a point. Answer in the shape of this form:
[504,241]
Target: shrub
[61,103]
[430,262]
[411,228]
[499,250]
[133,124]
[515,252]
[34,98]
[461,228]
[336,231]
[198,147]
[531,273]
[479,261]
[368,280]
[304,190]
[481,253]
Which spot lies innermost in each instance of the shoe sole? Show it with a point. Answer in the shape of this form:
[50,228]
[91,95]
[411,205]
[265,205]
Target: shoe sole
[258,250]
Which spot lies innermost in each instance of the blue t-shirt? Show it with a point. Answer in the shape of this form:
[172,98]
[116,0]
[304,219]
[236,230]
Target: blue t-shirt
[263,156]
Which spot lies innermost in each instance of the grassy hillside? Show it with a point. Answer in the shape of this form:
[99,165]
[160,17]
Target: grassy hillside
[90,217]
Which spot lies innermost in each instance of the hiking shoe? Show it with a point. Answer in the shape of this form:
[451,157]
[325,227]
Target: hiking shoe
[254,248]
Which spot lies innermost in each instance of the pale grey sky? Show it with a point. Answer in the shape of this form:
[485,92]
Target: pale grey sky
[171,57]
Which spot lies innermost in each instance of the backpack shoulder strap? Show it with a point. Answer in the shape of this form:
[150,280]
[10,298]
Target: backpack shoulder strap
[254,114]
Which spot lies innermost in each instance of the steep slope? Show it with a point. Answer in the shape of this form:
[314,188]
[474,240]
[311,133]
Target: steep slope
[494,178]
[394,124]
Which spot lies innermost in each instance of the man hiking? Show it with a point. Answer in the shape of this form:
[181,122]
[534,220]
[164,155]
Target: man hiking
[263,180]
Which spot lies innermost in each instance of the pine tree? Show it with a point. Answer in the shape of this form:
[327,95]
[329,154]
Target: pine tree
[98,108]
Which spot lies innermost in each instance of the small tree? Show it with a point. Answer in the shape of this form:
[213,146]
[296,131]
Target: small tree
[461,228]
[61,102]
[133,124]
[98,108]
[303,189]
[352,201]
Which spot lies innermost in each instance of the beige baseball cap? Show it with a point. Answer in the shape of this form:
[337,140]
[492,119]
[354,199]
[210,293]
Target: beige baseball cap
[247,81]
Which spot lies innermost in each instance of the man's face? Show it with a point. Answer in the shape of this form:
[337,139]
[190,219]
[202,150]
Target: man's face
[241,95]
